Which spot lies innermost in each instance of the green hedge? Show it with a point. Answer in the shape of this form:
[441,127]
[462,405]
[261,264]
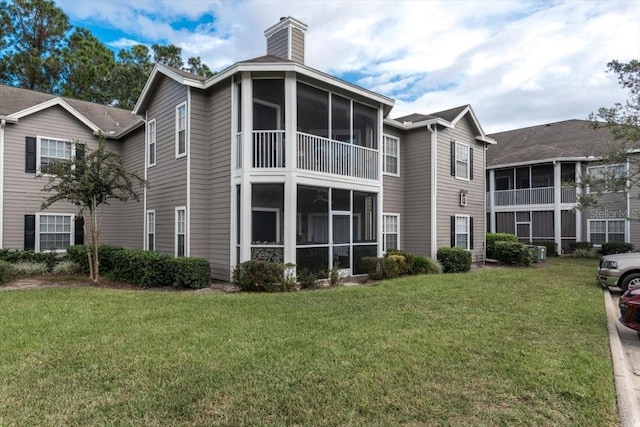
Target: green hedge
[512,253]
[492,238]
[106,255]
[143,268]
[615,248]
[454,260]
[192,273]
[16,256]
[580,245]
[259,276]
[6,271]
[398,263]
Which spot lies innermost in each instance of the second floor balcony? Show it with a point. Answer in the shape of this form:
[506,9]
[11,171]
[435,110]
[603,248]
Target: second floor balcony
[541,196]
[313,153]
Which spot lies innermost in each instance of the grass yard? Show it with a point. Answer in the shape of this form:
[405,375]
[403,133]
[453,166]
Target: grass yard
[492,347]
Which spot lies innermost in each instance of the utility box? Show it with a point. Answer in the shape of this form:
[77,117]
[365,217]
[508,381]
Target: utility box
[540,251]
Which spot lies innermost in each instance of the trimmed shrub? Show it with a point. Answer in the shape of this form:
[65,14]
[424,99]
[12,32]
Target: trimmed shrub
[30,268]
[382,268]
[615,248]
[454,260]
[17,256]
[404,260]
[106,254]
[192,273]
[6,271]
[585,253]
[573,246]
[492,238]
[307,279]
[258,276]
[424,265]
[66,267]
[143,268]
[513,253]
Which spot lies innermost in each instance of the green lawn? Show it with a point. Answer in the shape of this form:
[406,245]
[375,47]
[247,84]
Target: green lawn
[492,347]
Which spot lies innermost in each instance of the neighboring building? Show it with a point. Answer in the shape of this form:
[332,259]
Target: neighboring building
[530,190]
[271,159]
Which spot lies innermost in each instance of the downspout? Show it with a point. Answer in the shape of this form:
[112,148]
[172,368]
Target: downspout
[145,244]
[434,190]
[3,123]
[187,243]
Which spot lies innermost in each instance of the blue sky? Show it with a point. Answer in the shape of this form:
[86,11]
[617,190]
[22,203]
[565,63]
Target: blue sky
[518,63]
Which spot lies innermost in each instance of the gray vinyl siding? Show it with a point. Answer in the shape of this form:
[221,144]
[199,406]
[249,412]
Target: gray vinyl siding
[199,241]
[23,191]
[168,178]
[278,44]
[449,187]
[416,168]
[297,45]
[393,186]
[132,212]
[110,229]
[219,167]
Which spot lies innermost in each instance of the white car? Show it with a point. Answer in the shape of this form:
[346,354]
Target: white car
[620,270]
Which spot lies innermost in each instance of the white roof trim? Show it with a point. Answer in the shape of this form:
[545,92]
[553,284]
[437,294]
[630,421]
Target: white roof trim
[51,103]
[420,124]
[8,119]
[549,160]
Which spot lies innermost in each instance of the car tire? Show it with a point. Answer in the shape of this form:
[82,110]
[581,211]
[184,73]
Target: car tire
[633,279]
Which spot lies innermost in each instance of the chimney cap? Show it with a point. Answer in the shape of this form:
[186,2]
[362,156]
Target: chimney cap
[285,21]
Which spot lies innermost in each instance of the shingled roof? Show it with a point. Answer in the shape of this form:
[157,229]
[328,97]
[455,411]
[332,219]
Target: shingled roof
[108,119]
[566,139]
[448,115]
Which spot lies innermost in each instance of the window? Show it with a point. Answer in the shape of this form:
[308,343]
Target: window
[391,150]
[607,178]
[181,223]
[151,230]
[461,232]
[463,198]
[462,161]
[181,130]
[151,141]
[390,232]
[606,230]
[51,150]
[54,232]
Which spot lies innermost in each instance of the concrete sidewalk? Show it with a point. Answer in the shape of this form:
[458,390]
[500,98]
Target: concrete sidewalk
[625,354]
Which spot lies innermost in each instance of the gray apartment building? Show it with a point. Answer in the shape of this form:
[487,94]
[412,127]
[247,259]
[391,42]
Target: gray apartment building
[267,159]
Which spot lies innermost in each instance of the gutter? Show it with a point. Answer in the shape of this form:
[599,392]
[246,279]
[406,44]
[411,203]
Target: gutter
[434,189]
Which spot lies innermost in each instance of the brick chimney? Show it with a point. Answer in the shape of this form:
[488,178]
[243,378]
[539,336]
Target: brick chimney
[286,39]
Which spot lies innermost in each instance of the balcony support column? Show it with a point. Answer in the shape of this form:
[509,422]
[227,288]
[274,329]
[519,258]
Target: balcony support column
[578,194]
[247,163]
[492,192]
[291,159]
[557,213]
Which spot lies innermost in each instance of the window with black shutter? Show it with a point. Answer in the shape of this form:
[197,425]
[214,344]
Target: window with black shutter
[30,154]
[29,232]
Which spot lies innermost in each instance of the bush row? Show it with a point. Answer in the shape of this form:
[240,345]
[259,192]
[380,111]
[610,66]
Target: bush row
[493,238]
[514,253]
[146,268]
[398,263]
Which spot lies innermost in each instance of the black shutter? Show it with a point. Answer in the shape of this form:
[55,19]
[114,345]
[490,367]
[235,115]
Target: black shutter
[453,158]
[29,232]
[470,163]
[78,237]
[453,231]
[30,154]
[471,233]
[80,156]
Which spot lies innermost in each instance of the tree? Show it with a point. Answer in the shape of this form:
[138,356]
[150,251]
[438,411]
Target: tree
[87,64]
[623,121]
[129,76]
[34,36]
[170,55]
[196,66]
[90,182]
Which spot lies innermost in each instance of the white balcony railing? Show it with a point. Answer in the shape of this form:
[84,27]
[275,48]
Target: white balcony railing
[315,153]
[319,154]
[531,196]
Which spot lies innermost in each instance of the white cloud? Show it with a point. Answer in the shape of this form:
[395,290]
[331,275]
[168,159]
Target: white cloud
[517,62]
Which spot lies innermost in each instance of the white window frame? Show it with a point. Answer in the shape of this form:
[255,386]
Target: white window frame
[386,139]
[151,229]
[464,198]
[385,232]
[606,173]
[468,161]
[177,230]
[72,225]
[606,229]
[181,128]
[152,142]
[468,231]
[39,151]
